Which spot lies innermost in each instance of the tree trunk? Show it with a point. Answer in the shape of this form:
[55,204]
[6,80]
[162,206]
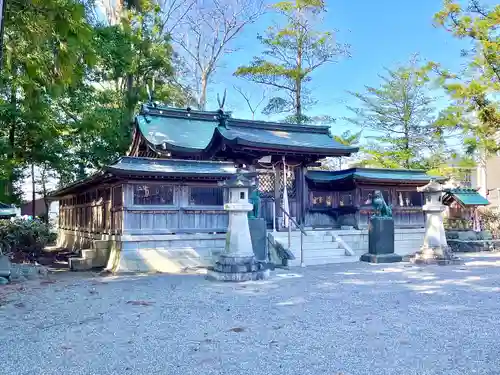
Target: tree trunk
[130,107]
[33,194]
[298,85]
[202,100]
[9,188]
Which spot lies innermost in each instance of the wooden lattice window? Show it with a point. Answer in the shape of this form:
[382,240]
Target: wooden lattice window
[153,194]
[206,196]
[266,182]
[266,185]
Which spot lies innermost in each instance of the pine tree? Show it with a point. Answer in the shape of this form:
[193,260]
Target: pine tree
[399,120]
[292,54]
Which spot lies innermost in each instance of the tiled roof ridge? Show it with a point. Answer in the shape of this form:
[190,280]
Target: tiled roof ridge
[164,160]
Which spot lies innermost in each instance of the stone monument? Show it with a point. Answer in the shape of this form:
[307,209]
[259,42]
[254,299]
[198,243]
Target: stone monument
[435,249]
[381,233]
[237,262]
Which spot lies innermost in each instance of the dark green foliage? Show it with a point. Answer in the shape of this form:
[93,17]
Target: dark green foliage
[70,86]
[474,108]
[23,238]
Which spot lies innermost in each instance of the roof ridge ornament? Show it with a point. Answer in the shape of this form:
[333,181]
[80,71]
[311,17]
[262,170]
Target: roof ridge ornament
[221,103]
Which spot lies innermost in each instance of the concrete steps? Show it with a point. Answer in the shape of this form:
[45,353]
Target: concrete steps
[95,257]
[319,247]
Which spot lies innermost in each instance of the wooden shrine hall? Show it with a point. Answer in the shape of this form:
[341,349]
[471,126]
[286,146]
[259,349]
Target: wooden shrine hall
[162,200]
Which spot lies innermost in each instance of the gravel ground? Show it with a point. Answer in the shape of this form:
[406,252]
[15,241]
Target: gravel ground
[336,319]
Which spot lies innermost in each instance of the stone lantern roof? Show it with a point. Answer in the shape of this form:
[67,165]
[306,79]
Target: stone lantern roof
[238,181]
[432,187]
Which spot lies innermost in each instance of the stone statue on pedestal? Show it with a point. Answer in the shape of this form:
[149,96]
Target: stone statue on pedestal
[380,208]
[255,201]
[381,233]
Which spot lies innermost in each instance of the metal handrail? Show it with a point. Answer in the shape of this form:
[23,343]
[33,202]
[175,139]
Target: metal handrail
[292,220]
[302,234]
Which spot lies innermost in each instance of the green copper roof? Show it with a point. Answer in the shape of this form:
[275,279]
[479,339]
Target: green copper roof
[171,167]
[375,174]
[194,131]
[129,166]
[281,139]
[182,133]
[466,197]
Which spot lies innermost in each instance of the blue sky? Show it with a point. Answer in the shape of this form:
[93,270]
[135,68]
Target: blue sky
[382,33]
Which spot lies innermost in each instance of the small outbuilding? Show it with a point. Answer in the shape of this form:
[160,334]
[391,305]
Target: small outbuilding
[462,208]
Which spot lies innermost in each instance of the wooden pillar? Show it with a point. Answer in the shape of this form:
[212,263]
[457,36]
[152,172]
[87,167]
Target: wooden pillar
[357,203]
[277,200]
[302,193]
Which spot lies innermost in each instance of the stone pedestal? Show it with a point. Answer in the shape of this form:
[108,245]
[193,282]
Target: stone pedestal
[258,234]
[238,263]
[435,249]
[381,242]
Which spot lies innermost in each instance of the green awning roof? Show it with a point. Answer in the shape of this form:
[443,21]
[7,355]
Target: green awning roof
[371,174]
[466,197]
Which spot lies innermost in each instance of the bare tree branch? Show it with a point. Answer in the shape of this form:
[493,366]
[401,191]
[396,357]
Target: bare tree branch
[214,25]
[247,98]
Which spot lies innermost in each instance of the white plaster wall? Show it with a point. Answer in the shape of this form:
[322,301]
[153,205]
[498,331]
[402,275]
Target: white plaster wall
[165,253]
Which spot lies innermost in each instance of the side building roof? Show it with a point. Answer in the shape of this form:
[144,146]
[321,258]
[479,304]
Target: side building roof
[160,169]
[375,175]
[465,197]
[185,131]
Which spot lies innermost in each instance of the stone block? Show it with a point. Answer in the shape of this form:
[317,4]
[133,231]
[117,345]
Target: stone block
[142,245]
[129,246]
[79,264]
[228,259]
[5,267]
[258,235]
[239,276]
[381,237]
[381,258]
[381,242]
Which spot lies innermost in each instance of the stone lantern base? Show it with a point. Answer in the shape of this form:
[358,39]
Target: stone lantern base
[441,256]
[237,268]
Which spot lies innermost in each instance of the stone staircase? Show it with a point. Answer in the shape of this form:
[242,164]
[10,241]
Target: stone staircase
[319,247]
[342,246]
[95,257]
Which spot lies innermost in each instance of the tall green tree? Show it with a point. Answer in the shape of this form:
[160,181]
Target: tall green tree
[292,53]
[132,54]
[475,91]
[347,138]
[399,119]
[46,51]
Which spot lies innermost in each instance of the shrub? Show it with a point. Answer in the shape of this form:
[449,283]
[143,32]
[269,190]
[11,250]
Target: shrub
[490,220]
[23,238]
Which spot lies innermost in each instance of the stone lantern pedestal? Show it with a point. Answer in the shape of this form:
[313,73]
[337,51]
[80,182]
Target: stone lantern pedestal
[435,249]
[238,263]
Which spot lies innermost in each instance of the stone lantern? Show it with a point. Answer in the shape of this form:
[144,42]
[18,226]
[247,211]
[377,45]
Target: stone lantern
[435,248]
[238,263]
